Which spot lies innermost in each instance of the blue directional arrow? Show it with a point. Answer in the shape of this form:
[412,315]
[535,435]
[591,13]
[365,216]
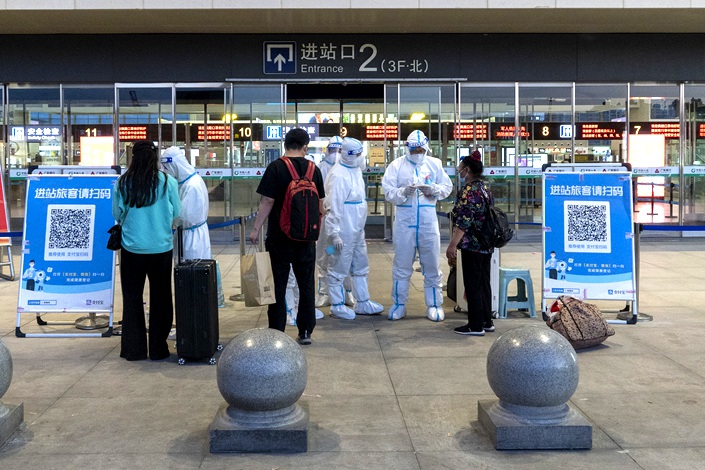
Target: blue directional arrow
[279,57]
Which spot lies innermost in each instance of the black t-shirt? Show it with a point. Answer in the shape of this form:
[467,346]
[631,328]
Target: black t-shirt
[274,182]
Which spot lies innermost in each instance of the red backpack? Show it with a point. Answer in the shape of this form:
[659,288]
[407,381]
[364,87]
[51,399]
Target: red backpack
[300,217]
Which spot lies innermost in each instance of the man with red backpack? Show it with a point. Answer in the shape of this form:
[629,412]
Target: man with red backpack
[292,201]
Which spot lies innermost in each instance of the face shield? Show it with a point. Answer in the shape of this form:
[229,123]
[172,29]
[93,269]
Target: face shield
[333,149]
[173,162]
[352,152]
[417,147]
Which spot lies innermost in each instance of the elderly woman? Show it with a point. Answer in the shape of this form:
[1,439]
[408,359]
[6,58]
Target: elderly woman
[469,213]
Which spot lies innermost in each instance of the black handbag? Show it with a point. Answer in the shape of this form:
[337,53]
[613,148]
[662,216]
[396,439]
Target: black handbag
[452,290]
[115,239]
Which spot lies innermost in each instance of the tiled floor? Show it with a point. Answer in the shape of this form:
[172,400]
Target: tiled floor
[380,394]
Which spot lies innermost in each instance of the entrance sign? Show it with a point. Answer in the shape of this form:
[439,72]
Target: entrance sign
[279,57]
[588,236]
[66,266]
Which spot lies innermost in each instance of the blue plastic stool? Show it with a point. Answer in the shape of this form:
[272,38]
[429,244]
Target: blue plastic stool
[525,291]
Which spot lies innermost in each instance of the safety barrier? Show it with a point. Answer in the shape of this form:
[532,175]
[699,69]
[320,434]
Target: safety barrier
[653,186]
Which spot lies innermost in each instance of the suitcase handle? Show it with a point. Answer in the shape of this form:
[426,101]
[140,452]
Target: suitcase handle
[180,243]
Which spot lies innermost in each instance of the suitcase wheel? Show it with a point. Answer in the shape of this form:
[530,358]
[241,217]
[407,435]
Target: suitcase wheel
[220,347]
[181,361]
[212,361]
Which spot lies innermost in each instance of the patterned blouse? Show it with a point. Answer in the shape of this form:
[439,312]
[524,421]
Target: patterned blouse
[469,213]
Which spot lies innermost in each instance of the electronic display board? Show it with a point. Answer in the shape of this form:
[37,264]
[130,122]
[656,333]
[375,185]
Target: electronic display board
[470,131]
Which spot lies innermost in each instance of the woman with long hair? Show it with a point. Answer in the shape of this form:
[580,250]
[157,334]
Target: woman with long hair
[469,213]
[147,201]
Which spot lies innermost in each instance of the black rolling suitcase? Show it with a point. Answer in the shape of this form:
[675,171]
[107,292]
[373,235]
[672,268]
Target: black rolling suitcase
[196,308]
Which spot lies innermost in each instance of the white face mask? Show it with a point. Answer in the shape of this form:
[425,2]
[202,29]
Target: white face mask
[361,162]
[416,157]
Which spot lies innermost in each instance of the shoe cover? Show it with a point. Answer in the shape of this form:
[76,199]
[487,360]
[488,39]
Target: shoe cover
[349,299]
[322,300]
[319,314]
[397,312]
[291,306]
[435,313]
[221,293]
[341,311]
[368,307]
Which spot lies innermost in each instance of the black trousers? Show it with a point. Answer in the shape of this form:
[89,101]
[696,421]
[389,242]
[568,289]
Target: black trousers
[301,256]
[476,279]
[134,269]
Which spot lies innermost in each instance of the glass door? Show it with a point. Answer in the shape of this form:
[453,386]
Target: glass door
[546,135]
[487,114]
[145,112]
[257,130]
[88,115]
[693,169]
[34,136]
[653,142]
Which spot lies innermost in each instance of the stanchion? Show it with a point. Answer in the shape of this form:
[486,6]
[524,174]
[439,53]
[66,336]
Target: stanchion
[625,315]
[652,201]
[376,211]
[92,322]
[240,297]
[670,203]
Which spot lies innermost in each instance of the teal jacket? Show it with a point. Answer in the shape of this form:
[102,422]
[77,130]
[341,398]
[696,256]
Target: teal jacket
[147,230]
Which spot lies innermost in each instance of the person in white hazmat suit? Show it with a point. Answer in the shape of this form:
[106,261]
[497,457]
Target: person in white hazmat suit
[291,300]
[414,183]
[330,158]
[194,209]
[345,231]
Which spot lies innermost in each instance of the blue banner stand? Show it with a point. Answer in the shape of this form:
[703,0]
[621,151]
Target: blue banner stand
[66,267]
[588,234]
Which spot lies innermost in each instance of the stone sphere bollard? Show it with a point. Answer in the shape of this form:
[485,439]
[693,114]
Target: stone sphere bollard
[533,371]
[262,370]
[5,370]
[532,366]
[261,374]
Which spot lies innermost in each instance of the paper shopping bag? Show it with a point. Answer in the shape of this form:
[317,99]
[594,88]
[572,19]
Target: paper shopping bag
[257,279]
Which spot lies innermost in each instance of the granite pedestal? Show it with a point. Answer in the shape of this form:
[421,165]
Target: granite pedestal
[11,416]
[261,374]
[534,372]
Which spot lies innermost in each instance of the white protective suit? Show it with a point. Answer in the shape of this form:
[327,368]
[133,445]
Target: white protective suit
[194,204]
[194,210]
[345,231]
[322,300]
[414,183]
[291,300]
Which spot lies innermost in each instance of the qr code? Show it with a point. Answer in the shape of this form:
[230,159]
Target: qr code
[587,226]
[69,233]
